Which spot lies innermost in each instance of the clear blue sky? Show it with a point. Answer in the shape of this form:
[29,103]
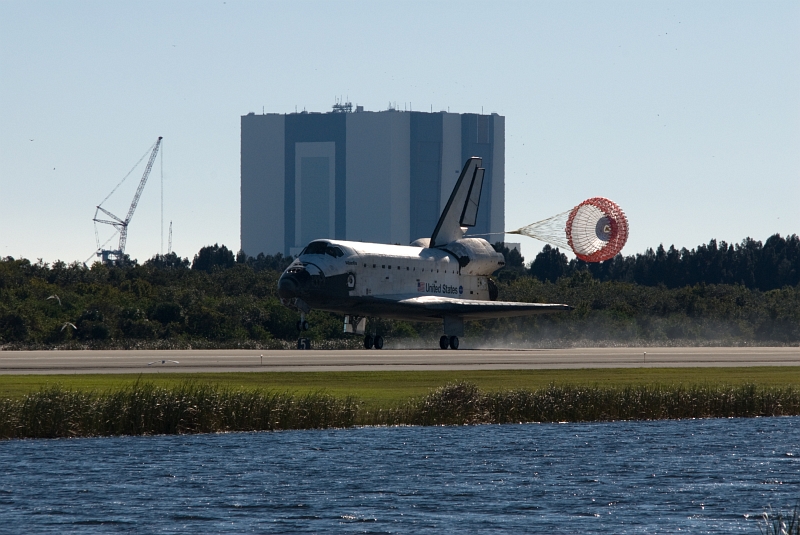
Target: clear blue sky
[685,113]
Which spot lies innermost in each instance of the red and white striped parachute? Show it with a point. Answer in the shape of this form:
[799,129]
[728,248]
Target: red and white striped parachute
[595,230]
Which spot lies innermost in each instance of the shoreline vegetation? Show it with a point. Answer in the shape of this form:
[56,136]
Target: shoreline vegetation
[781,523]
[144,408]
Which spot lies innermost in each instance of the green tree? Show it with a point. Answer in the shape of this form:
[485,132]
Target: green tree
[213,256]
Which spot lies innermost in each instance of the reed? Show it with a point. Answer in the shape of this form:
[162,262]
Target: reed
[147,409]
[781,524]
[463,404]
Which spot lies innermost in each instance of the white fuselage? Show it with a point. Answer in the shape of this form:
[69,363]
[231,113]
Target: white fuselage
[391,270]
[339,276]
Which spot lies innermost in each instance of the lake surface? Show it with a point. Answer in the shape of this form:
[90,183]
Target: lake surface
[698,476]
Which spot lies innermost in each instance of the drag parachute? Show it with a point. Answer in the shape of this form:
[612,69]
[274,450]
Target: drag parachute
[595,230]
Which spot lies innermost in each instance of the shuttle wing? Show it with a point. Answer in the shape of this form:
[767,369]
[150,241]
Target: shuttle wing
[428,307]
[471,309]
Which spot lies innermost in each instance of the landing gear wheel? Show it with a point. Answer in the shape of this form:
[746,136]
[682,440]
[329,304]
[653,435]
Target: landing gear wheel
[379,342]
[444,342]
[454,342]
[368,342]
[302,325]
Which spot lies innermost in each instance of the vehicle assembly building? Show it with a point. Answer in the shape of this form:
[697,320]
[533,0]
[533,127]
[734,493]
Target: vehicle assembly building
[361,176]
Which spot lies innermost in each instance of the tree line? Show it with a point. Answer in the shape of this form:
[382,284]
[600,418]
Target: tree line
[768,266]
[222,299]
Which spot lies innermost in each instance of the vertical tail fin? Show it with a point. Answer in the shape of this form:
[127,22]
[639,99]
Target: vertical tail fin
[462,207]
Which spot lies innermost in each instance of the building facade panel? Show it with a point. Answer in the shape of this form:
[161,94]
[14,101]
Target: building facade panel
[497,218]
[452,162]
[426,172]
[310,128]
[477,139]
[377,176]
[400,208]
[262,168]
[315,193]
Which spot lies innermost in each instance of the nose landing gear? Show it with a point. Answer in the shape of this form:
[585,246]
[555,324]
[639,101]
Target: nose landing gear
[302,325]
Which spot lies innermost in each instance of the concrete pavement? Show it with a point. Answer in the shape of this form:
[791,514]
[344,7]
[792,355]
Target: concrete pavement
[192,361]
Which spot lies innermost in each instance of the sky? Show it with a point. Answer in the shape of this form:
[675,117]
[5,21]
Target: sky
[687,114]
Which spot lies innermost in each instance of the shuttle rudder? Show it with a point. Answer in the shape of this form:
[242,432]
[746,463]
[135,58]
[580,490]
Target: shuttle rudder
[448,228]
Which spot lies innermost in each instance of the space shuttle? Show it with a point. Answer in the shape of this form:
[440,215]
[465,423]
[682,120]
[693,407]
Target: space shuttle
[445,278]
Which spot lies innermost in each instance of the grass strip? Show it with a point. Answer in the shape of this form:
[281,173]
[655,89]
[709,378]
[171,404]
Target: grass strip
[146,409]
[383,388]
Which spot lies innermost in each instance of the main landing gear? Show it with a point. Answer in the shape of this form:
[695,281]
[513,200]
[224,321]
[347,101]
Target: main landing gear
[373,341]
[358,325]
[451,342]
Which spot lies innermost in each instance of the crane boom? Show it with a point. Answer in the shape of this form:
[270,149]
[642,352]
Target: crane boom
[123,234]
[120,224]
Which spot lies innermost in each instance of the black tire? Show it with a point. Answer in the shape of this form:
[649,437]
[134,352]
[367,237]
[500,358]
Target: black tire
[444,342]
[304,325]
[454,342]
[299,325]
[379,342]
[368,342]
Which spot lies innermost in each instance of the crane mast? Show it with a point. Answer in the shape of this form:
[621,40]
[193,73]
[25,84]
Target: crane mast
[121,225]
[169,246]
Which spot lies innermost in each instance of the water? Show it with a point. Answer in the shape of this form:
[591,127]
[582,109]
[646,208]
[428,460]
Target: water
[699,476]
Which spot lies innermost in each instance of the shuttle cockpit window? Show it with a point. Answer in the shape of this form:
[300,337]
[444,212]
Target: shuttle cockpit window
[334,251]
[316,247]
[322,247]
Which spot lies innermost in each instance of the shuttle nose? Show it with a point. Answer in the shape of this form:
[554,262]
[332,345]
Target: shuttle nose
[288,287]
[292,281]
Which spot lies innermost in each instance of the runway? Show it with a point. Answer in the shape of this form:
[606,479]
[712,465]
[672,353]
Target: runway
[194,361]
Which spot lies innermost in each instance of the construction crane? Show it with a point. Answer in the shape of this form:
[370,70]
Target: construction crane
[117,255]
[169,246]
